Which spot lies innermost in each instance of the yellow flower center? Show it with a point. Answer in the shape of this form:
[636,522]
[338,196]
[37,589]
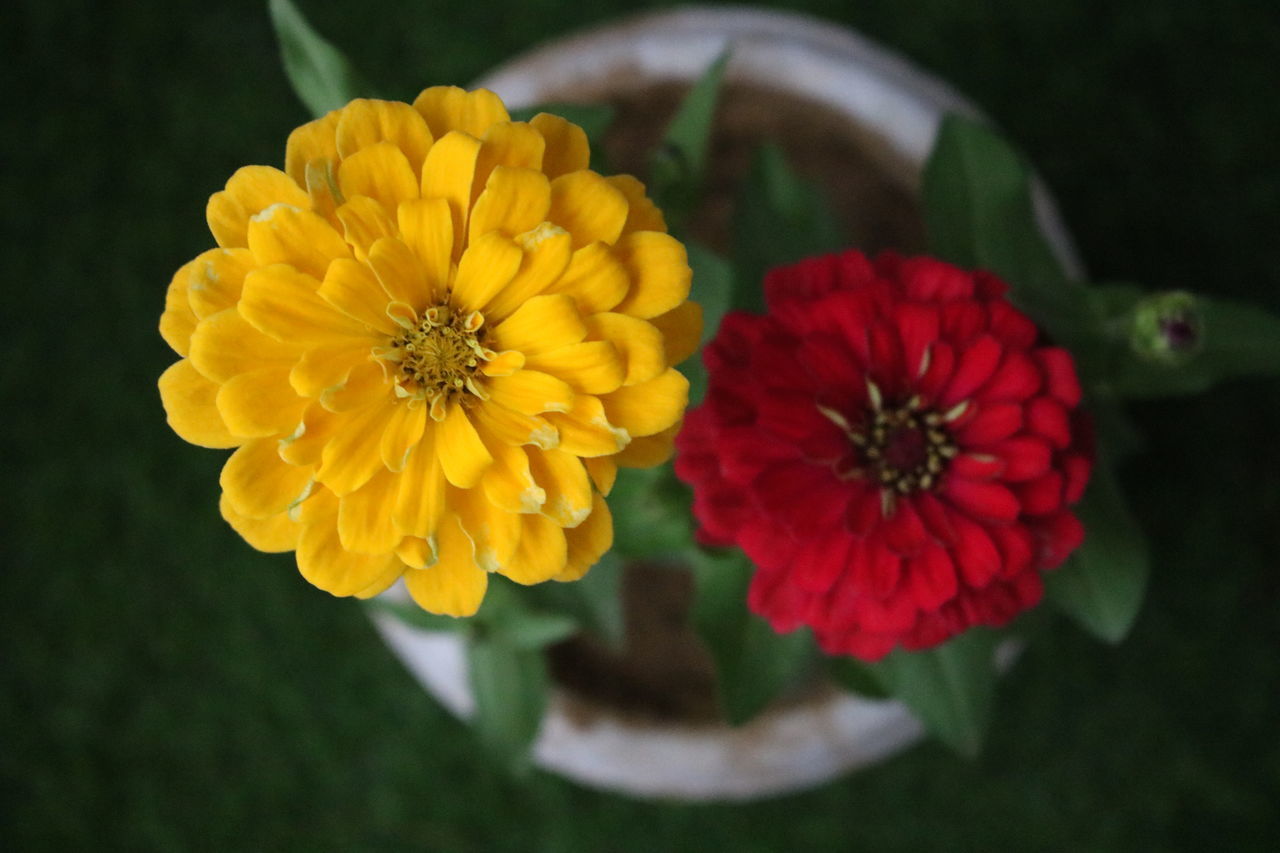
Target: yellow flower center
[439,358]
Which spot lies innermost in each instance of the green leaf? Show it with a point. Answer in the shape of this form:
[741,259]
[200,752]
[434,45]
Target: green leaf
[678,166]
[1234,340]
[652,519]
[856,677]
[510,614]
[510,688]
[753,663]
[595,601]
[949,688]
[778,219]
[1102,584]
[978,213]
[321,76]
[415,617]
[712,289]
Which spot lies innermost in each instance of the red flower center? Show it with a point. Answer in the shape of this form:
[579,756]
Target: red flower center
[905,448]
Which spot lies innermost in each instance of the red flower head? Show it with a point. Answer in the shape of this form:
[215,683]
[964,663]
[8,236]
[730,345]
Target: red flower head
[891,447]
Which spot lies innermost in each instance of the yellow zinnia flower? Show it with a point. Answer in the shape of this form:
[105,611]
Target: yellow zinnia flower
[432,338]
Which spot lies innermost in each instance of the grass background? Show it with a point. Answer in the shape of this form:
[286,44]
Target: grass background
[164,688]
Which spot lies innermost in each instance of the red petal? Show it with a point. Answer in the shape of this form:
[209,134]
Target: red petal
[773,596]
[722,511]
[863,512]
[987,286]
[977,364]
[1048,417]
[1076,467]
[942,361]
[859,644]
[805,498]
[833,365]
[917,327]
[992,423]
[1025,457]
[885,364]
[1017,547]
[1059,535]
[801,282]
[936,518]
[977,466]
[1011,326]
[769,545]
[1060,374]
[974,552]
[745,451]
[1015,380]
[904,531]
[876,568]
[930,280]
[962,322]
[1042,495]
[981,500]
[932,578]
[821,560]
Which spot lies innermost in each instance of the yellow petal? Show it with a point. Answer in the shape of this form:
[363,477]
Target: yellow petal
[543,323]
[595,279]
[588,207]
[530,392]
[649,407]
[326,564]
[514,201]
[417,553]
[259,484]
[540,554]
[364,516]
[566,483]
[327,367]
[403,432]
[639,344]
[354,290]
[260,403]
[178,320]
[283,303]
[366,122]
[508,484]
[401,274]
[300,238]
[659,269]
[493,532]
[305,445]
[455,585]
[352,454]
[487,266]
[567,149]
[189,404]
[447,108]
[603,471]
[591,367]
[681,329]
[366,384]
[364,222]
[250,190]
[462,454]
[585,431]
[315,141]
[420,499]
[273,535]
[322,188]
[225,347]
[642,213]
[216,280]
[648,450]
[382,172]
[512,427]
[504,363]
[514,144]
[546,256]
[447,173]
[426,226]
[588,542]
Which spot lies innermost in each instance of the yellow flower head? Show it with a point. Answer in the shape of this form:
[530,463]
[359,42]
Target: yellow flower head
[432,340]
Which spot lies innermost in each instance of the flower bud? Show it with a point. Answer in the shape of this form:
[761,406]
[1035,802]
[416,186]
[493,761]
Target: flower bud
[1167,327]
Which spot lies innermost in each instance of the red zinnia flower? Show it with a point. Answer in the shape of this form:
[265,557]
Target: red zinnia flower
[891,447]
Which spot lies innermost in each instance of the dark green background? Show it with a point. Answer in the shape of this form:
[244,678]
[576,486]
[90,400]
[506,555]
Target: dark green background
[164,688]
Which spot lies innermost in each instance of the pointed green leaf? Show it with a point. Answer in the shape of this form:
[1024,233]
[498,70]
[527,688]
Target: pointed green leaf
[1103,583]
[321,76]
[594,601]
[712,289]
[779,218]
[856,677]
[978,213]
[753,663]
[510,688]
[949,688]
[511,613]
[678,166]
[651,514]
